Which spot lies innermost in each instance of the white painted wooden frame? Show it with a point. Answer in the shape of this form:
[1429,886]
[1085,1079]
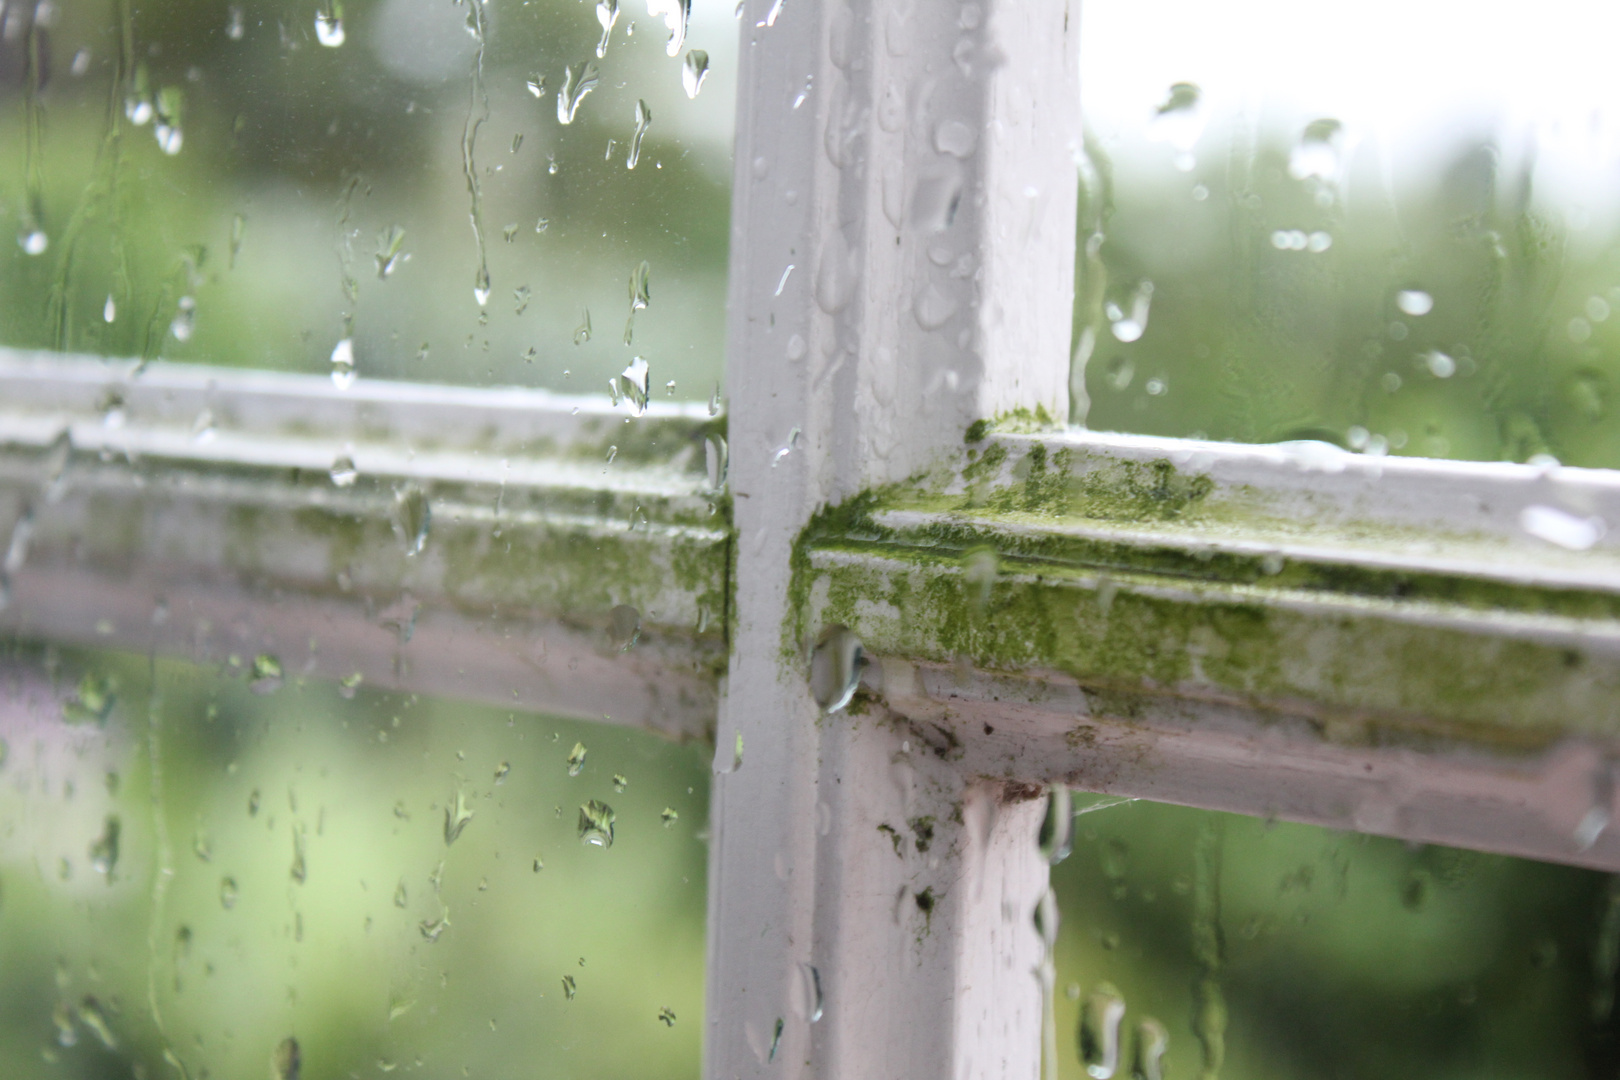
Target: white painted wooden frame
[1428,650]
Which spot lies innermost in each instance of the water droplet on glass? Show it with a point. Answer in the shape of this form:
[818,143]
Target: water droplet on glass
[1439,364]
[456,816]
[481,286]
[577,82]
[299,872]
[104,852]
[576,759]
[1099,1032]
[1319,242]
[954,138]
[607,13]
[501,770]
[329,26]
[582,332]
[1317,153]
[1179,121]
[667,1015]
[1414,302]
[348,685]
[227,893]
[717,459]
[94,1017]
[693,71]
[537,85]
[92,701]
[109,311]
[400,898]
[669,817]
[569,988]
[33,242]
[343,364]
[433,929]
[1147,1055]
[620,783]
[266,676]
[413,517]
[636,383]
[185,319]
[234,25]
[776,1041]
[676,15]
[783,451]
[389,242]
[287,1062]
[624,626]
[643,121]
[1057,827]
[344,474]
[596,824]
[1561,527]
[1130,327]
[836,664]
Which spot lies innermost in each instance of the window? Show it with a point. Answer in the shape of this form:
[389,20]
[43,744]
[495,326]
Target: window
[908,603]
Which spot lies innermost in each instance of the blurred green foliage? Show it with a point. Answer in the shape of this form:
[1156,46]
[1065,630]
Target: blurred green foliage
[1273,301]
[297,160]
[279,867]
[1330,955]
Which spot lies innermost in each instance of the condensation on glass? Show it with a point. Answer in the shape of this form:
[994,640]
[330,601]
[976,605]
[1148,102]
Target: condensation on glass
[1197,944]
[232,871]
[435,190]
[1388,226]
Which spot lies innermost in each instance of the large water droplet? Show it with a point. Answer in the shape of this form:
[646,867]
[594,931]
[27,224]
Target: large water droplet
[577,82]
[624,626]
[693,71]
[413,517]
[1057,827]
[636,383]
[676,15]
[1147,1056]
[1414,301]
[343,364]
[1317,153]
[1561,527]
[836,664]
[643,120]
[344,474]
[607,13]
[288,1061]
[596,824]
[1099,1032]
[329,26]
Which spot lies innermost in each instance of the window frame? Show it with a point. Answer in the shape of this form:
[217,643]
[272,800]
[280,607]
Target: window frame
[899,467]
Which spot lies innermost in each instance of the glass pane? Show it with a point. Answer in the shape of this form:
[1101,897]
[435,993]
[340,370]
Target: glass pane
[438,190]
[1389,226]
[1201,944]
[230,872]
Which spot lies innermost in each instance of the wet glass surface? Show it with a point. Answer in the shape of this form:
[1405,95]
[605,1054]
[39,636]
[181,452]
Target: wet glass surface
[1201,944]
[526,192]
[234,872]
[1392,227]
